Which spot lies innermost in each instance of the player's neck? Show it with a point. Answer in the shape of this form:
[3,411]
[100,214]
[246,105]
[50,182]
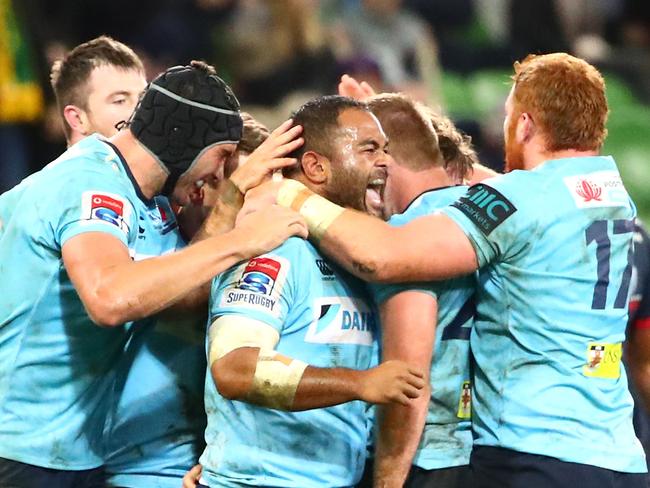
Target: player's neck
[74,138]
[414,183]
[146,171]
[536,154]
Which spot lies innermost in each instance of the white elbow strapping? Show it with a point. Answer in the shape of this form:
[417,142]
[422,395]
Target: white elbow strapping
[230,332]
[276,377]
[276,380]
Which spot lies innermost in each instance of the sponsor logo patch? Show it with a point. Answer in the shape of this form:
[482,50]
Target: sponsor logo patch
[259,286]
[163,216]
[603,360]
[342,320]
[486,207]
[600,189]
[106,207]
[465,401]
[260,275]
[325,269]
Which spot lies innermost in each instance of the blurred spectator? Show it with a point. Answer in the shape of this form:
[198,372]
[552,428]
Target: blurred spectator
[276,47]
[471,34]
[535,27]
[399,42]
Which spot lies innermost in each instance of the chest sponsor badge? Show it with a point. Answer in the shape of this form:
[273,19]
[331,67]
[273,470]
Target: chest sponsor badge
[106,207]
[486,207]
[342,320]
[465,401]
[603,360]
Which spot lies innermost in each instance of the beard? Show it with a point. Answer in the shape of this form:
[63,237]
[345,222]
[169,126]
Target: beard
[514,151]
[348,188]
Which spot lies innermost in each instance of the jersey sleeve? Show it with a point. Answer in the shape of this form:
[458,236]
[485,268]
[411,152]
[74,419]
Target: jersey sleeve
[489,215]
[263,288]
[95,202]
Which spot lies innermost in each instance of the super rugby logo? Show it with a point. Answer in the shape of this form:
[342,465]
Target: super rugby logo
[599,189]
[106,207]
[486,207]
[259,285]
[260,275]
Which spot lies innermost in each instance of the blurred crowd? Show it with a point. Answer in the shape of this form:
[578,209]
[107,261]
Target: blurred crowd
[452,54]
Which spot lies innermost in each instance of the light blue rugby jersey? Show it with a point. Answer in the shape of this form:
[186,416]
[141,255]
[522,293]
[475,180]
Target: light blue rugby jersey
[554,247]
[155,430]
[447,437]
[55,364]
[324,318]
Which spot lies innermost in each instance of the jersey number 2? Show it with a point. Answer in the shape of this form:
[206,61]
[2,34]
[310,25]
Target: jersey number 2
[597,232]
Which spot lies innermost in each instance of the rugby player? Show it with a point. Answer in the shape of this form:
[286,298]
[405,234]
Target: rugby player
[552,241]
[291,336]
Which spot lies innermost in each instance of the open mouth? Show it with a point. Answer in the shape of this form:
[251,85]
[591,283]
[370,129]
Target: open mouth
[375,193]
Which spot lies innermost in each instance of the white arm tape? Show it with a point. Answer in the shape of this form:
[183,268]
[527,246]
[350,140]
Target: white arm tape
[230,332]
[276,380]
[319,213]
[276,377]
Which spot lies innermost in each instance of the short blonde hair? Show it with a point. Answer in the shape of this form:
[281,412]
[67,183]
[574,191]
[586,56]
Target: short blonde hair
[412,138]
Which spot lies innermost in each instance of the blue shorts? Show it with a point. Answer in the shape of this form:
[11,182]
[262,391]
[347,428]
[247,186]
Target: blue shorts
[14,474]
[495,467]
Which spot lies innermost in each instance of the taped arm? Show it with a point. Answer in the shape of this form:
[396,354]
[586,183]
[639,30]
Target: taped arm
[246,367]
[404,316]
[432,247]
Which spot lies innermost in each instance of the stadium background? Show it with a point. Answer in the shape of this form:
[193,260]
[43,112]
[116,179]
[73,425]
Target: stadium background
[452,54]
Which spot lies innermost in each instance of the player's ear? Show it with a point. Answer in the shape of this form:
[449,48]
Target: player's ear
[525,127]
[315,167]
[77,119]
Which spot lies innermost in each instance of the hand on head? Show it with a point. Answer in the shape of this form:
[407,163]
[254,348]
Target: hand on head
[269,156]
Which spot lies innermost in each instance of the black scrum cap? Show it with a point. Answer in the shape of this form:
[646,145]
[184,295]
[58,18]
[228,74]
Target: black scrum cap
[182,113]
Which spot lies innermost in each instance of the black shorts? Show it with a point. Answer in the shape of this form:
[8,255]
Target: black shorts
[494,467]
[14,474]
[456,477]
